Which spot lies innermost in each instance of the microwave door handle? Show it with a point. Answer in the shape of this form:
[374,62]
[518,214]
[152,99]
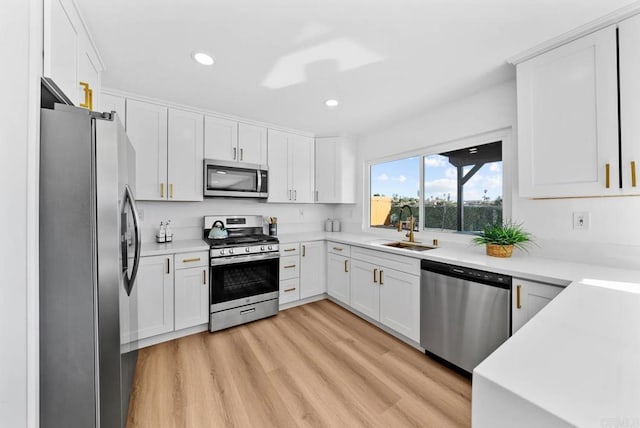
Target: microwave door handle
[259,189]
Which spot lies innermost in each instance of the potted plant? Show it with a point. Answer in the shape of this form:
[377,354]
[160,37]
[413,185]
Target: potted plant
[500,239]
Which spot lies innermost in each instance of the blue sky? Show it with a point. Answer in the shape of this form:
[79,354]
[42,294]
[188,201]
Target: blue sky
[402,177]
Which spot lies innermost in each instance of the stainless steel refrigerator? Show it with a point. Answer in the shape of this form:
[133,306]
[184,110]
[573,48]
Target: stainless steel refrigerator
[89,254]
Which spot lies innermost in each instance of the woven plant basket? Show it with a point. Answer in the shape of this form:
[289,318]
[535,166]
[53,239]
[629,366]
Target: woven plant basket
[496,250]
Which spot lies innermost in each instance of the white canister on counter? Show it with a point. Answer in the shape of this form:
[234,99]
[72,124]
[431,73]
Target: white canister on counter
[328,225]
[335,227]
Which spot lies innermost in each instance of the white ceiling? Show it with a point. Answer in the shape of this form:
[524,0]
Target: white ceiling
[277,61]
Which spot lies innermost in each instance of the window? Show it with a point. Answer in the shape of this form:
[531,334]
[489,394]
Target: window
[393,185]
[462,189]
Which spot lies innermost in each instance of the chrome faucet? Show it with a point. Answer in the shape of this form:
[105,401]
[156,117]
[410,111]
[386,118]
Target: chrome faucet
[411,223]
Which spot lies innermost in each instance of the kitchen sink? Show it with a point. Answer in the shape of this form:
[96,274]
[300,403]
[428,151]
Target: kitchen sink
[409,246]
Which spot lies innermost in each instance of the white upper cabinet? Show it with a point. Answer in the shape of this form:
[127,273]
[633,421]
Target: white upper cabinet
[220,139]
[291,167]
[335,171]
[185,156]
[69,56]
[147,130]
[252,144]
[629,45]
[568,121]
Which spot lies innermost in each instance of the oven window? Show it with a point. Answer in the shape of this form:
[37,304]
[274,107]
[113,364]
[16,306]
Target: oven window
[246,279]
[236,179]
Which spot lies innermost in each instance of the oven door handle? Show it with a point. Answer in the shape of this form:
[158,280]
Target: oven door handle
[243,259]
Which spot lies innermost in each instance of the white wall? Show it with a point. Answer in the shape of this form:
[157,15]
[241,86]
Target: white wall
[20,50]
[614,235]
[186,217]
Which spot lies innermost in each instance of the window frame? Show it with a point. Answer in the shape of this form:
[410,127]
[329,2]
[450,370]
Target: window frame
[508,158]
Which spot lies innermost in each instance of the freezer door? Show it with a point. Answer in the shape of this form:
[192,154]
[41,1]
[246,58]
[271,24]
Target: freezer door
[462,321]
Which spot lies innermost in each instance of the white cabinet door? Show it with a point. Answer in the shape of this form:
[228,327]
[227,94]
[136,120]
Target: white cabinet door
[111,103]
[289,290]
[151,300]
[301,167]
[61,46]
[529,298]
[252,144]
[279,184]
[220,139]
[568,120]
[191,297]
[89,70]
[400,302]
[365,290]
[289,267]
[338,281]
[147,130]
[313,268]
[629,44]
[185,155]
[335,170]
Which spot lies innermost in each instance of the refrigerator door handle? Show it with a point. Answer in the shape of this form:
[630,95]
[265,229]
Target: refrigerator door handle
[136,225]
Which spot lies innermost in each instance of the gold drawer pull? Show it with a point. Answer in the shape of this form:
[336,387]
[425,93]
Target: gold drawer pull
[290,267]
[195,259]
[381,277]
[162,190]
[375,279]
[289,289]
[345,266]
[171,190]
[633,173]
[518,305]
[607,180]
[304,250]
[204,277]
[337,249]
[286,250]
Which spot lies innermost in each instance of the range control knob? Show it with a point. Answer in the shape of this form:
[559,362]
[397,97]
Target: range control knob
[222,252]
[230,250]
[247,250]
[262,248]
[270,247]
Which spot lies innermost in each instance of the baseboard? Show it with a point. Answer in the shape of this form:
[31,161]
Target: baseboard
[154,340]
[300,302]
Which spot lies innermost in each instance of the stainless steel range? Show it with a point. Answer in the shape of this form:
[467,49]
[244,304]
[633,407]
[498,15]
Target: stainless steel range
[244,271]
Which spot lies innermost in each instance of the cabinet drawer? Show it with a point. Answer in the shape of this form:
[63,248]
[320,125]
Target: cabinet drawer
[190,260]
[289,290]
[340,249]
[289,267]
[290,249]
[406,264]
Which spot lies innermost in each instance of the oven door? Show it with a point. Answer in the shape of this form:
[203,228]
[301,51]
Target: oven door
[241,280]
[234,179]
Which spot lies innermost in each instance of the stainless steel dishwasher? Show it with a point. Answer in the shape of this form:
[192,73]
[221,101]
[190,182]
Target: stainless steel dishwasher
[465,314]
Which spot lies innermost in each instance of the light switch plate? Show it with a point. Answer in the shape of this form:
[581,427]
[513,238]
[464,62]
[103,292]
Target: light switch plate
[581,220]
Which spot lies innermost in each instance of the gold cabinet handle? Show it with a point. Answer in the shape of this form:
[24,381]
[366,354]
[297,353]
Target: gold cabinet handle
[290,267]
[346,269]
[381,277]
[241,154]
[518,304]
[337,249]
[633,173]
[88,96]
[234,153]
[304,250]
[607,181]
[171,190]
[286,250]
[195,259]
[204,277]
[162,190]
[375,273]
[289,289]
[168,265]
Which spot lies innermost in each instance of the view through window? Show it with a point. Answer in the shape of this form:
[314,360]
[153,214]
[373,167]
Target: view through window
[462,190]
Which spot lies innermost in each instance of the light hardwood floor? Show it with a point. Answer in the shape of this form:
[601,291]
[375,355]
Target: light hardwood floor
[315,365]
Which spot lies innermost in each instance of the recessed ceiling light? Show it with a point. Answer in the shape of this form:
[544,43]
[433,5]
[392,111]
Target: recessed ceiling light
[202,58]
[331,103]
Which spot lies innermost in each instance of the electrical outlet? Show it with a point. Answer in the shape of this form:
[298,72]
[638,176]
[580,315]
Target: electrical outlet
[581,220]
[301,213]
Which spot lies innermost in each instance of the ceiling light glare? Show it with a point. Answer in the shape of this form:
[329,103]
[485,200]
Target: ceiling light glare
[331,103]
[202,58]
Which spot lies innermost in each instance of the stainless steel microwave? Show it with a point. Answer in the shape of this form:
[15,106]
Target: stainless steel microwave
[235,179]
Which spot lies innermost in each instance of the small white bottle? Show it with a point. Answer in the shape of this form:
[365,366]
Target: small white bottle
[162,234]
[168,232]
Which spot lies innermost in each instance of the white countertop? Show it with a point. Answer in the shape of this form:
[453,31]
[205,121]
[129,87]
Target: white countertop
[520,265]
[577,363]
[185,246]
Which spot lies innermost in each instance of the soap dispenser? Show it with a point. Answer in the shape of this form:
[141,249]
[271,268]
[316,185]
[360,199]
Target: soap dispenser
[168,233]
[162,234]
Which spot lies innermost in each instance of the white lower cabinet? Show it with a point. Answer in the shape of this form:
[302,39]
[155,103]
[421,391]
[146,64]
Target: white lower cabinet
[191,292]
[365,290]
[313,269]
[338,277]
[148,311]
[289,290]
[529,298]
